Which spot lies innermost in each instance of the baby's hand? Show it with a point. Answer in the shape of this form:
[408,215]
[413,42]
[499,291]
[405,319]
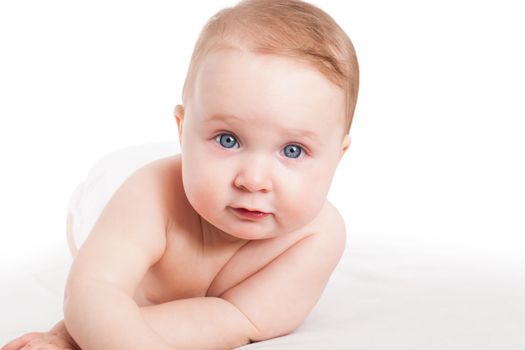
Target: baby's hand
[56,339]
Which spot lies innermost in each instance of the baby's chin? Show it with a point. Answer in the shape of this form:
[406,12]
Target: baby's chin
[251,235]
[247,230]
[239,229]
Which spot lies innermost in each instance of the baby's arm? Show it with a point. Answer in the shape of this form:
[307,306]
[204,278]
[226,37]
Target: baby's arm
[99,310]
[200,323]
[270,303]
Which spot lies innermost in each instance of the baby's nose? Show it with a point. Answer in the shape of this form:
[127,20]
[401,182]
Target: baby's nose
[254,176]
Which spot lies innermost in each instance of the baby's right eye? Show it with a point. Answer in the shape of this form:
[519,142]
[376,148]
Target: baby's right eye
[226,140]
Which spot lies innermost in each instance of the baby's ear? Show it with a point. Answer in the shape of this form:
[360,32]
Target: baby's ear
[345,145]
[178,112]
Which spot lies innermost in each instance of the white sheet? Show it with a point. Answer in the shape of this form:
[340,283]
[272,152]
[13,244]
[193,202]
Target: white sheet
[381,296]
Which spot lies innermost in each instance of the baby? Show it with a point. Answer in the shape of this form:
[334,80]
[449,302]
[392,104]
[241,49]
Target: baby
[233,240]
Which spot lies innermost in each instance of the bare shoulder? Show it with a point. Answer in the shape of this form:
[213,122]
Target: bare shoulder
[155,183]
[163,179]
[278,297]
[330,222]
[130,233]
[326,235]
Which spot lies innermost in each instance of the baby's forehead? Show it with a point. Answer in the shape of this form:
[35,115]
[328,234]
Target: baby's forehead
[226,59]
[268,84]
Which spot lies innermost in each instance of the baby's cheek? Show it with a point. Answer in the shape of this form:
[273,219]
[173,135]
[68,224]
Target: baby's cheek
[303,204]
[195,184]
[204,192]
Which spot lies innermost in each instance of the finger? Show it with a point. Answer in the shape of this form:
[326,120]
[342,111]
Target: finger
[20,342]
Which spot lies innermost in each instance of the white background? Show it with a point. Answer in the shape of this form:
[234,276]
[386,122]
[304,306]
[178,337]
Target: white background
[437,159]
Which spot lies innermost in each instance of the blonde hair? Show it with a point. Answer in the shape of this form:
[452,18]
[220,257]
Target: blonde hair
[289,28]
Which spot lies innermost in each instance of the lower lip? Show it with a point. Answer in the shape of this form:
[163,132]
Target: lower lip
[252,215]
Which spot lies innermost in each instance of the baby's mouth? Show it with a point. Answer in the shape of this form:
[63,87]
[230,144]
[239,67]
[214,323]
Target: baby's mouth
[250,214]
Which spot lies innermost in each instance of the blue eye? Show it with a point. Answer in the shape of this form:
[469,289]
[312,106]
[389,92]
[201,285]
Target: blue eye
[226,140]
[293,151]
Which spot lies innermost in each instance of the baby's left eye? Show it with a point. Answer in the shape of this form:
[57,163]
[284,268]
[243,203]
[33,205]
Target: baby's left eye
[293,151]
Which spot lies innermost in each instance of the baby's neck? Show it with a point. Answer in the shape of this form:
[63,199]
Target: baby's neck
[216,239]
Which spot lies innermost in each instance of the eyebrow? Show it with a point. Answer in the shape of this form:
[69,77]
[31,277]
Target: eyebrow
[291,132]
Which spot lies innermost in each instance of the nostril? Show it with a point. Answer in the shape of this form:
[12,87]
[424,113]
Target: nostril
[253,182]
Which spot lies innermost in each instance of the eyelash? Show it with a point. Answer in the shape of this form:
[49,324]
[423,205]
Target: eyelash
[304,150]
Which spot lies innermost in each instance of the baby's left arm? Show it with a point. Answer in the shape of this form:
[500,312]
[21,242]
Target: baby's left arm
[200,323]
[272,302]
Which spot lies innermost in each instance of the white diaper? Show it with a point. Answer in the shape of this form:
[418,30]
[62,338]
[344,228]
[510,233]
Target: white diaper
[105,176]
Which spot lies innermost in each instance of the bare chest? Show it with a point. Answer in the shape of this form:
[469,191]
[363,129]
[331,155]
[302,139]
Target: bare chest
[187,271]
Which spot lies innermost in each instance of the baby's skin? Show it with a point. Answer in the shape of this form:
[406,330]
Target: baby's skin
[176,261]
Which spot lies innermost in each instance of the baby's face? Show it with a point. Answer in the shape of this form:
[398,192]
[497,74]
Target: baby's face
[262,133]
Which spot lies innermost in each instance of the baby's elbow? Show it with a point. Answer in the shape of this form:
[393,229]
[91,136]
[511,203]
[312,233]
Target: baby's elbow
[272,332]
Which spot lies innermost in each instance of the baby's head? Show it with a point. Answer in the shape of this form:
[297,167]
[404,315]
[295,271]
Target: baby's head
[268,103]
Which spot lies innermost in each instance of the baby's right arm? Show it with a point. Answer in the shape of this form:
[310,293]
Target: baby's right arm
[128,238]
